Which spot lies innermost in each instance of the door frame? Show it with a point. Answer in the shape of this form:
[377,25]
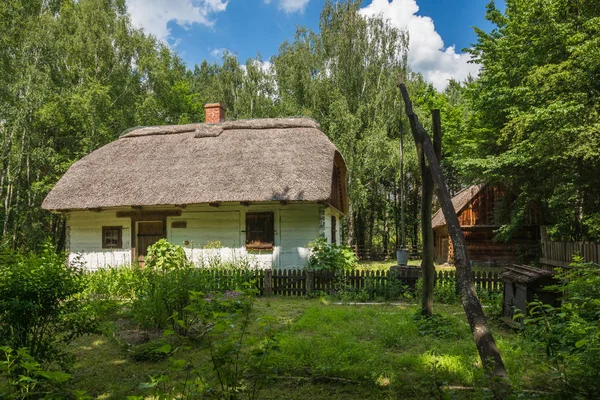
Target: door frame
[136,215]
[137,237]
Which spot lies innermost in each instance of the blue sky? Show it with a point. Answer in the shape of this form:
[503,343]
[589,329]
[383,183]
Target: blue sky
[202,29]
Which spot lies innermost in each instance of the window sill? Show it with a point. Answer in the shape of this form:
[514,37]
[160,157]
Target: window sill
[259,247]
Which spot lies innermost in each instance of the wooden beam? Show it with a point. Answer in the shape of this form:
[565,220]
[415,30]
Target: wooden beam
[148,214]
[244,203]
[214,204]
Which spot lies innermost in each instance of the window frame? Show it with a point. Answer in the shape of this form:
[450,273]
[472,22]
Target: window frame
[333,230]
[119,230]
[257,245]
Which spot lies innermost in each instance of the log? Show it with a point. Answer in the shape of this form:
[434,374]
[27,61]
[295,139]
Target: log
[484,341]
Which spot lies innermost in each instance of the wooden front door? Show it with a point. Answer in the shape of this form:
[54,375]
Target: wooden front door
[148,233]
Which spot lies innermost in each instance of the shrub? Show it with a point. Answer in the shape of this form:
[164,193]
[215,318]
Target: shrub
[238,360]
[330,257]
[39,308]
[444,291]
[571,333]
[21,376]
[154,350]
[162,291]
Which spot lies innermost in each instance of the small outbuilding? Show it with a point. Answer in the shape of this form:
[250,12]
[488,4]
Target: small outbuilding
[524,284]
[261,189]
[482,209]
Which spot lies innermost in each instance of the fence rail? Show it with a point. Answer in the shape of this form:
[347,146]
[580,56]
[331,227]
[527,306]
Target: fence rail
[291,282]
[560,254]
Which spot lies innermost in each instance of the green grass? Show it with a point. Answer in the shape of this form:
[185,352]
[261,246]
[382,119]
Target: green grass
[385,265]
[336,352]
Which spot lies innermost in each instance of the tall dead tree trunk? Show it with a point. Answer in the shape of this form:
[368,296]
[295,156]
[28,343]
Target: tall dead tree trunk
[427,266]
[484,341]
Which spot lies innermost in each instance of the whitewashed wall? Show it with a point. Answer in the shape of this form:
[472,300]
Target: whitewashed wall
[84,239]
[296,225]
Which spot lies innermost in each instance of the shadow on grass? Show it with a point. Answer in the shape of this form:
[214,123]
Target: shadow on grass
[335,352]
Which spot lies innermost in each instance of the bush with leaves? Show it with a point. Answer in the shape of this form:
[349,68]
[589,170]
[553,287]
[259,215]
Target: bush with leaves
[571,333]
[162,291]
[239,361]
[163,288]
[330,257]
[39,305]
[21,377]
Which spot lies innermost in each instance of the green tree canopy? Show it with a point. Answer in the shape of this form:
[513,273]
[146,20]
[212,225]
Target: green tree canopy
[535,111]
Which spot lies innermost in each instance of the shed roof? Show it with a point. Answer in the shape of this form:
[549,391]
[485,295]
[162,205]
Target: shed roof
[524,274]
[460,202]
[234,161]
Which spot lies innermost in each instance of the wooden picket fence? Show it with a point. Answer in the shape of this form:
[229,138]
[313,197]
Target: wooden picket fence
[560,254]
[293,282]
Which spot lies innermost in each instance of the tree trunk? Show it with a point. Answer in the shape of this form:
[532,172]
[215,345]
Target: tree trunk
[427,266]
[484,341]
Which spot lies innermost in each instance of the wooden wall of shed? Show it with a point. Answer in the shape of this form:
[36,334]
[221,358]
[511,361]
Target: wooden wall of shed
[490,208]
[482,248]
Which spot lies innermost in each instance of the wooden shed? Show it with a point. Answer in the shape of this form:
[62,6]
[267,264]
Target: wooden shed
[524,284]
[481,210]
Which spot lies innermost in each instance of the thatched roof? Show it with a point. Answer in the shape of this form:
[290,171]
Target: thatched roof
[235,161]
[460,201]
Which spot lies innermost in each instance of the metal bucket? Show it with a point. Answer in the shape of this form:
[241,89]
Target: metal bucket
[402,256]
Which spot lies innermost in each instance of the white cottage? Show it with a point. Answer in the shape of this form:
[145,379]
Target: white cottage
[262,188]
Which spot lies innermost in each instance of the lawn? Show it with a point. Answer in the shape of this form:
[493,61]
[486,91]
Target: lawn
[385,265]
[328,350]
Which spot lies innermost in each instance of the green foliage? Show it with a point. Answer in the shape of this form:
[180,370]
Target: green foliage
[163,256]
[160,292]
[534,120]
[238,361]
[39,307]
[570,333]
[22,377]
[439,326]
[152,351]
[444,291]
[330,257]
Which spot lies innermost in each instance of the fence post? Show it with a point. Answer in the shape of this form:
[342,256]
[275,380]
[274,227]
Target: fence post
[310,280]
[268,282]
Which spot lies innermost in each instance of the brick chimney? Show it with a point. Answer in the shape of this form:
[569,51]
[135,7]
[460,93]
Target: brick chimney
[215,113]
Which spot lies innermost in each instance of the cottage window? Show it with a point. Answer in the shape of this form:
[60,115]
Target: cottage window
[260,230]
[112,237]
[333,230]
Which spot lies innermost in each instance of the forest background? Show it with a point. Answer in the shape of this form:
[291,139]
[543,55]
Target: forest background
[76,74]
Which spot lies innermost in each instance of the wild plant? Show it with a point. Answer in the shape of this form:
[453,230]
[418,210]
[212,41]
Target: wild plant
[40,308]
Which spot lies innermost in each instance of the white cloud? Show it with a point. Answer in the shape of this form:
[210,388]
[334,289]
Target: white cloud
[426,53]
[218,52]
[290,6]
[265,66]
[154,15]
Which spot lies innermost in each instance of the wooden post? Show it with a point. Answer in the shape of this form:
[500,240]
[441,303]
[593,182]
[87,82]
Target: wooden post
[427,266]
[268,282]
[484,341]
[310,280]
